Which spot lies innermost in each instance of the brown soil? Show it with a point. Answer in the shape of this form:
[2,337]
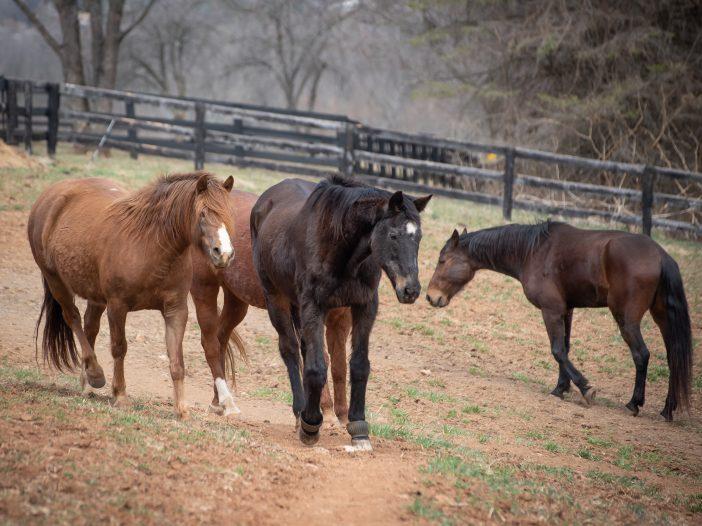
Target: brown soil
[474,375]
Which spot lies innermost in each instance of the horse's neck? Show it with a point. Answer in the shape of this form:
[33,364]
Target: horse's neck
[503,261]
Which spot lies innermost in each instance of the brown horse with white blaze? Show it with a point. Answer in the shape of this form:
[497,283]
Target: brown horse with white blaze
[562,268]
[123,252]
[242,289]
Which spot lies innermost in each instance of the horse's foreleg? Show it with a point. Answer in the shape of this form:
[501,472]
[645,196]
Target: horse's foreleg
[176,317]
[92,372]
[117,317]
[315,370]
[363,319]
[563,384]
[233,312]
[555,327]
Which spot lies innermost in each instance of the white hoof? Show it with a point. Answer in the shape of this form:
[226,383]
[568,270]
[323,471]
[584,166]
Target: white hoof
[359,445]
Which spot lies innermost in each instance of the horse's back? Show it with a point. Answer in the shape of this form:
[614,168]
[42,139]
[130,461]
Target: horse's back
[282,200]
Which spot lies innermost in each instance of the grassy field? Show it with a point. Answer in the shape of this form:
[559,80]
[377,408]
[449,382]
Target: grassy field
[463,428]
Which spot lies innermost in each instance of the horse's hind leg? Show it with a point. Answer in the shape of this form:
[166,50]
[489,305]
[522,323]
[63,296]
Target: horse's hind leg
[91,324]
[65,298]
[175,315]
[563,384]
[117,317]
[339,323]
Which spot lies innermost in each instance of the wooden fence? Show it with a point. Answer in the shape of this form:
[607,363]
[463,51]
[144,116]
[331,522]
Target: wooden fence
[316,144]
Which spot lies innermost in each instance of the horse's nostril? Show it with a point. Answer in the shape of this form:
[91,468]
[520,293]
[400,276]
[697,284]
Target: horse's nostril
[216,251]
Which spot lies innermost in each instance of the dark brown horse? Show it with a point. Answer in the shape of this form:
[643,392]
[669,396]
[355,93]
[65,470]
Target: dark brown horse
[242,289]
[562,268]
[124,252]
[321,247]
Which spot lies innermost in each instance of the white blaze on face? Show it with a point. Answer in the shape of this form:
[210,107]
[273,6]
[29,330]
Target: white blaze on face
[411,228]
[225,243]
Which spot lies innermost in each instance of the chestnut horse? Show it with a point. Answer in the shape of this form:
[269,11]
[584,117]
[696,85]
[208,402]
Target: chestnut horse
[317,247]
[562,268]
[123,252]
[242,289]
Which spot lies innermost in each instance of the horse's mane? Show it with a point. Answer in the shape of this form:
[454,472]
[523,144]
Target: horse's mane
[335,196]
[166,207]
[509,243]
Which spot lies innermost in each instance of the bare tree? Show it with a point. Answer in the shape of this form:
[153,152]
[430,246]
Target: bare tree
[106,36]
[290,41]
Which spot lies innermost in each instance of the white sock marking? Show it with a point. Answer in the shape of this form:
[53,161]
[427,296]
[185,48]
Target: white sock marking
[225,243]
[226,399]
[411,228]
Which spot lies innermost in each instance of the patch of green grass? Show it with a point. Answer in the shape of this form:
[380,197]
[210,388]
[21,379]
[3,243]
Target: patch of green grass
[618,480]
[273,393]
[435,382]
[476,371]
[588,455]
[472,409]
[399,416]
[453,430]
[624,457]
[694,503]
[452,414]
[536,435]
[432,396]
[598,442]
[552,447]
[521,377]
[560,472]
[425,510]
[657,372]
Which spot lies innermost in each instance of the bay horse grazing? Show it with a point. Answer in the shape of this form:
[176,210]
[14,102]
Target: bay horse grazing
[562,268]
[123,252]
[318,247]
[242,289]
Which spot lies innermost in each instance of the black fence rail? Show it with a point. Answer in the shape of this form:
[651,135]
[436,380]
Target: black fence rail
[316,144]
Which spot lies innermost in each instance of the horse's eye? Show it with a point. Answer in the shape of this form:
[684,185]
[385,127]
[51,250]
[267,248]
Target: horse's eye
[393,235]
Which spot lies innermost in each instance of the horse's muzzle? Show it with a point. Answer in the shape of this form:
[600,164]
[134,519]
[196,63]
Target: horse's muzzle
[437,300]
[220,259]
[408,293]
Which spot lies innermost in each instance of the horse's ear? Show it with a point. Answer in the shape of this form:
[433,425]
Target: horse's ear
[455,238]
[421,202]
[465,231]
[229,183]
[202,183]
[396,202]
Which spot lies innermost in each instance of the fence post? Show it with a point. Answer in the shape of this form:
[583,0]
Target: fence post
[238,128]
[28,103]
[508,185]
[53,103]
[346,139]
[11,112]
[199,136]
[131,131]
[648,180]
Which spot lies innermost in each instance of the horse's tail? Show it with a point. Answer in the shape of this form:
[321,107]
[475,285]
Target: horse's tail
[229,360]
[58,345]
[677,334]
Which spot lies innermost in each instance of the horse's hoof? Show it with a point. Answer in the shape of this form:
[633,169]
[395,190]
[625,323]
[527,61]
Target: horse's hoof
[232,409]
[557,393]
[633,409]
[182,413]
[358,430]
[215,409]
[668,415]
[309,433]
[359,444]
[96,378]
[589,395]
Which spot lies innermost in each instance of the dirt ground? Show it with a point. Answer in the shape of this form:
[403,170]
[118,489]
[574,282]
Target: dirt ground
[463,428]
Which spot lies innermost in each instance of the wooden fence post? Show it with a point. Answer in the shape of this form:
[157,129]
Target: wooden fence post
[131,131]
[346,140]
[199,136]
[238,128]
[28,104]
[52,111]
[648,180]
[11,112]
[508,185]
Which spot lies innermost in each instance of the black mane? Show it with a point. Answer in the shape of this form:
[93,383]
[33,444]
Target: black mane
[334,197]
[502,246]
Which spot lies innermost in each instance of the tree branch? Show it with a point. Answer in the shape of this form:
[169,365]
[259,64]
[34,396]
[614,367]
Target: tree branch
[138,20]
[48,38]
